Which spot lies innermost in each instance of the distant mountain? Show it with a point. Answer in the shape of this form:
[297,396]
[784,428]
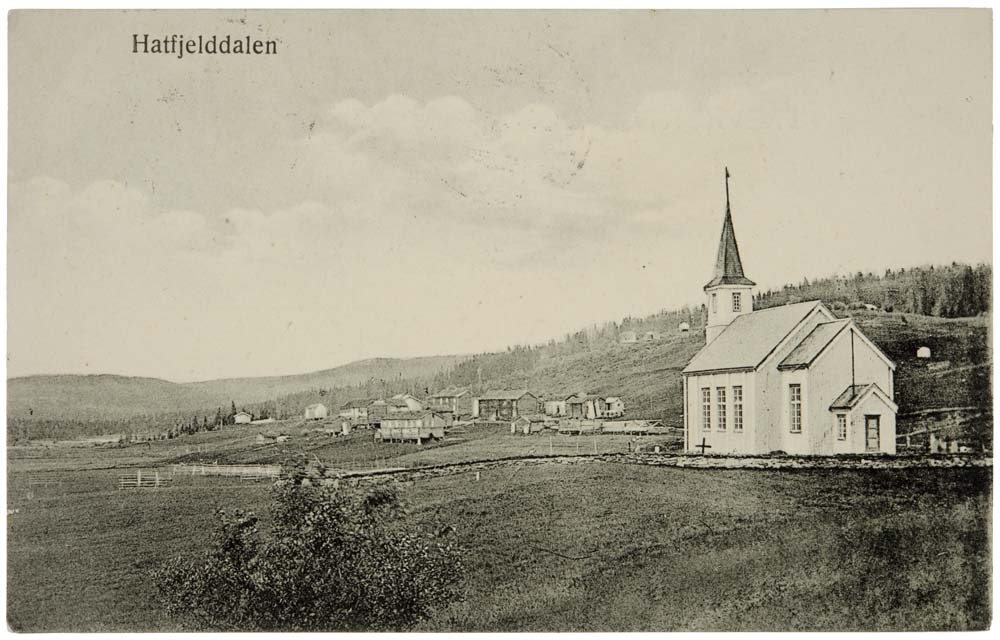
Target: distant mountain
[107,397]
[250,390]
[98,397]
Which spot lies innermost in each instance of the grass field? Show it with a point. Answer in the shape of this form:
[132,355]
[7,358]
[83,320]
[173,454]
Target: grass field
[563,547]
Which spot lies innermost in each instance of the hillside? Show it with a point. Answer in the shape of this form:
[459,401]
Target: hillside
[251,390]
[111,397]
[645,374]
[98,397]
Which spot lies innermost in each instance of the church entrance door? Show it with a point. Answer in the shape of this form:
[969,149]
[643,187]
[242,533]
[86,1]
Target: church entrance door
[871,433]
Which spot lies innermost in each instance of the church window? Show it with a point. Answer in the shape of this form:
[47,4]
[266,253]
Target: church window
[737,408]
[706,409]
[720,400]
[715,303]
[795,408]
[841,426]
[737,302]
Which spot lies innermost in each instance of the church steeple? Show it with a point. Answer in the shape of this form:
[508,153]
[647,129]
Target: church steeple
[729,291]
[728,266]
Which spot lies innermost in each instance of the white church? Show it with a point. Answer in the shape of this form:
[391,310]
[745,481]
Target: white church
[792,378]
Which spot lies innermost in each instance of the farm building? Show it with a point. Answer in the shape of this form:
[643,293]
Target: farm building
[354,409]
[455,399]
[412,426]
[792,378]
[507,405]
[684,327]
[614,407]
[924,352]
[316,411]
[628,337]
[583,406]
[527,424]
[555,407]
[242,417]
[651,336]
[404,402]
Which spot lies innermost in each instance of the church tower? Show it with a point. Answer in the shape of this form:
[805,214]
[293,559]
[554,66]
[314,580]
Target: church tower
[729,293]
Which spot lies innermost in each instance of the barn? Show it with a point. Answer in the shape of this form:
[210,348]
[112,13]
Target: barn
[242,417]
[507,405]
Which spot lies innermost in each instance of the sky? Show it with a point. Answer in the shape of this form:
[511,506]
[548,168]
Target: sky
[445,182]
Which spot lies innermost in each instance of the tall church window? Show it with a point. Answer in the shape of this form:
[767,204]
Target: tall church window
[795,408]
[737,302]
[720,400]
[706,409]
[737,408]
[841,426]
[715,303]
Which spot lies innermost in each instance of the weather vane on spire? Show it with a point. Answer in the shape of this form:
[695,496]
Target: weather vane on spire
[727,188]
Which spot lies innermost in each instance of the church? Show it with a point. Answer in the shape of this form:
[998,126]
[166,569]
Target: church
[793,379]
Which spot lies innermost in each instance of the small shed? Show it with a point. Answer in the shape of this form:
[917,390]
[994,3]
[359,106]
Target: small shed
[242,417]
[684,327]
[316,411]
[628,337]
[924,352]
[651,336]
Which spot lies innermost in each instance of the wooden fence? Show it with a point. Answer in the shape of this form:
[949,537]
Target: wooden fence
[144,480]
[241,472]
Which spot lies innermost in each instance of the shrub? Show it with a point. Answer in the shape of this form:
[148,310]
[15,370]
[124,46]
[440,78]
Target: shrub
[332,560]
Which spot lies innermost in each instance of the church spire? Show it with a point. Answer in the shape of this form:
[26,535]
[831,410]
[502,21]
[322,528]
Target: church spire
[728,267]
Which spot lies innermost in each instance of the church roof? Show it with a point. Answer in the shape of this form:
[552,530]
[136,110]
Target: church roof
[728,267]
[853,394]
[750,338]
[813,344]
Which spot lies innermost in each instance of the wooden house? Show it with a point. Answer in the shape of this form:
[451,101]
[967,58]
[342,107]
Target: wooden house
[584,407]
[242,417]
[507,405]
[555,408]
[412,426]
[455,399]
[614,407]
[355,409]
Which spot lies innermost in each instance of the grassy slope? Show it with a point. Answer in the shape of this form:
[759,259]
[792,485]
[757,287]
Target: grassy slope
[657,548]
[682,550]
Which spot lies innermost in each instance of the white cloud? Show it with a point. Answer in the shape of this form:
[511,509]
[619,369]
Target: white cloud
[423,228]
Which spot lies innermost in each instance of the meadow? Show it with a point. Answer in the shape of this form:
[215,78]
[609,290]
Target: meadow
[585,547]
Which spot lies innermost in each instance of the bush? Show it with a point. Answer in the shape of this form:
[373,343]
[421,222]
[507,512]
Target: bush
[332,561]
